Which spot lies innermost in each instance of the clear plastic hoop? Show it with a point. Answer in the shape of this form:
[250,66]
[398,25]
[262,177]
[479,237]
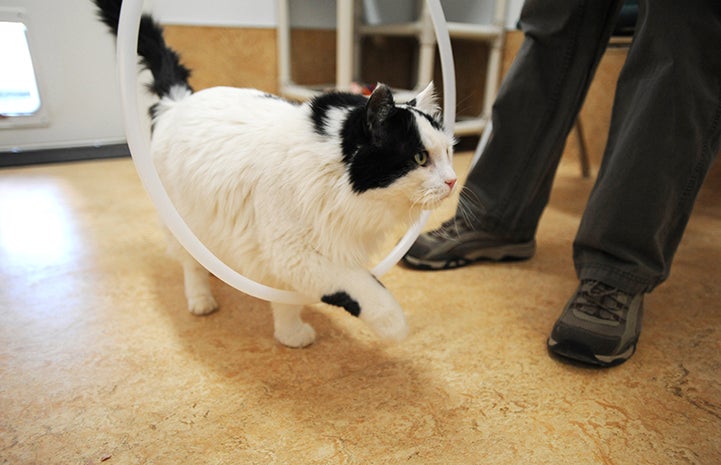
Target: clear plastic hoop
[140,149]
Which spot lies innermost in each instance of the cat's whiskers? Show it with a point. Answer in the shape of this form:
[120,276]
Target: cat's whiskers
[445,232]
[466,199]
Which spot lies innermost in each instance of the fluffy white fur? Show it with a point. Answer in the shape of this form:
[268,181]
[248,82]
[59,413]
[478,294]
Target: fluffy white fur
[272,199]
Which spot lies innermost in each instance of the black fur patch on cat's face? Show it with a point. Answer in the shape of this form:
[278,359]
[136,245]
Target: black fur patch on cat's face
[379,142]
[379,160]
[342,299]
[379,139]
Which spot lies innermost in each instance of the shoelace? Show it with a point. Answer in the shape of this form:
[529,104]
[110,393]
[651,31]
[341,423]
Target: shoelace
[602,301]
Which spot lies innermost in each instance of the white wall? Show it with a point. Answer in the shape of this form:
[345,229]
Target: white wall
[471,11]
[244,13]
[75,57]
[316,13]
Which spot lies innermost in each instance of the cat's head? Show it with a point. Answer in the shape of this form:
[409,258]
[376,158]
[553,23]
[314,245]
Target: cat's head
[400,147]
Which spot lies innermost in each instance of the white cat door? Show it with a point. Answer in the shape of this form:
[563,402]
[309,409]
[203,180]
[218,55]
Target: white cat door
[20,103]
[140,149]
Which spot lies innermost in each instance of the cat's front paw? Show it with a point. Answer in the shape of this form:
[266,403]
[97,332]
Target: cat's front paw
[297,336]
[390,324]
[202,304]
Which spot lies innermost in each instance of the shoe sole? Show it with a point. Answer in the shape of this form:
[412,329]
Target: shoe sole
[522,251]
[583,354]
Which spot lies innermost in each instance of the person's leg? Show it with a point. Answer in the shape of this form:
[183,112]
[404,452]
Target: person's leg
[539,99]
[534,111]
[665,131]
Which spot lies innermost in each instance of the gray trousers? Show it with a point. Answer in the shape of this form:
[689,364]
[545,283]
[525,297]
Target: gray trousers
[665,131]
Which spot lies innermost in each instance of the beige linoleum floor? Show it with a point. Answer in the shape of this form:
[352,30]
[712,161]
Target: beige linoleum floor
[101,363]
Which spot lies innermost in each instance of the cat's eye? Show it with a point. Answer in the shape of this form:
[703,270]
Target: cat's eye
[421,158]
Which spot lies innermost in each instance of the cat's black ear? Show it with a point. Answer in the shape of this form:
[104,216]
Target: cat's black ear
[379,106]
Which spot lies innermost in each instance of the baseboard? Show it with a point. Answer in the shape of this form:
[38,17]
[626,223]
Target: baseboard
[39,156]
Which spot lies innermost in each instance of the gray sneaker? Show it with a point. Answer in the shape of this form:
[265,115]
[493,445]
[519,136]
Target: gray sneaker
[600,325]
[457,244]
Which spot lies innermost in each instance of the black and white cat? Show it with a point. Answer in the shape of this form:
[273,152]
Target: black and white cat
[296,196]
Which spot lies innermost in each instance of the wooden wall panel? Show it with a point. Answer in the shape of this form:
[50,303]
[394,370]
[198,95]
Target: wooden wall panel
[239,57]
[313,56]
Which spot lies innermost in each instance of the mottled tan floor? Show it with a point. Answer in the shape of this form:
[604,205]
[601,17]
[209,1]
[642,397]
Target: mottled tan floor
[100,362]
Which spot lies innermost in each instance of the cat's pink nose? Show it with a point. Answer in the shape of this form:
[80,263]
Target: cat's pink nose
[451,183]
